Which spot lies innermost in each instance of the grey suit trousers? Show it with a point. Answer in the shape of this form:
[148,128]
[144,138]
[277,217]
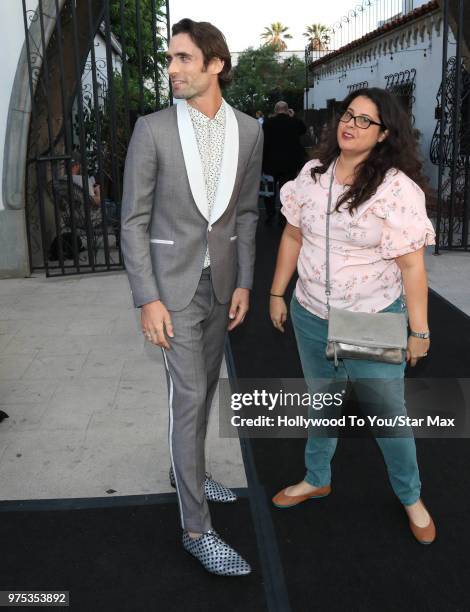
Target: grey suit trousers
[192,368]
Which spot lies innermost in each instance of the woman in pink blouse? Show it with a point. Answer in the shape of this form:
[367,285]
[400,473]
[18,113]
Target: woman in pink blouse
[378,231]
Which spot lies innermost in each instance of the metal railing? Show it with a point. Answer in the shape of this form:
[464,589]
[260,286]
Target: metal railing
[365,17]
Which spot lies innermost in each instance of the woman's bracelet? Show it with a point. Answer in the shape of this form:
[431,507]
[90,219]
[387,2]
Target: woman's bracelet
[276,295]
[422,335]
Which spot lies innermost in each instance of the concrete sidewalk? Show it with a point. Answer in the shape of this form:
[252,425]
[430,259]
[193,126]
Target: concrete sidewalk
[449,275]
[86,395]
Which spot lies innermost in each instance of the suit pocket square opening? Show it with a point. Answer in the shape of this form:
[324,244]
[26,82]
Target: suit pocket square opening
[233,237]
[159,241]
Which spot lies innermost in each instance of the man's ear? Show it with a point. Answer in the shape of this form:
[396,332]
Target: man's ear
[216,65]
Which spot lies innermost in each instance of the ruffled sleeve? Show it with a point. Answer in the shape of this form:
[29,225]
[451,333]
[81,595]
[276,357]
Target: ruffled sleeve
[290,204]
[291,197]
[406,227]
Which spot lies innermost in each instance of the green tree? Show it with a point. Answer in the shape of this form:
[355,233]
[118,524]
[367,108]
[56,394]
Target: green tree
[260,80]
[276,35]
[318,36]
[292,83]
[146,69]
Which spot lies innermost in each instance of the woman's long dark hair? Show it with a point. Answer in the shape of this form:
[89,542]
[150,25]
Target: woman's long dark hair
[399,150]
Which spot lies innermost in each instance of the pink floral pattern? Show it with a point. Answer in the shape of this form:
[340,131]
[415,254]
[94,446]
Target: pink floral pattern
[364,274]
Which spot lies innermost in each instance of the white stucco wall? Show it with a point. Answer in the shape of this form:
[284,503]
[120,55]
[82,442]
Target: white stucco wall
[427,80]
[12,37]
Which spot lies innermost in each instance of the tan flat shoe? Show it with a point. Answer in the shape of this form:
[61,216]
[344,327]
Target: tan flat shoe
[424,535]
[281,500]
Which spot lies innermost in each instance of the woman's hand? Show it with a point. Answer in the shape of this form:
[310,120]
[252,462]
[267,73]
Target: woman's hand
[286,263]
[278,312]
[417,348]
[416,291]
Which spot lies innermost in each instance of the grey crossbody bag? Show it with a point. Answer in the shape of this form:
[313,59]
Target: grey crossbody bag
[378,336]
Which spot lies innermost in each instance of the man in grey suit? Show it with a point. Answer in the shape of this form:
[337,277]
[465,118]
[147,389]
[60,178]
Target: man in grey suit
[189,216]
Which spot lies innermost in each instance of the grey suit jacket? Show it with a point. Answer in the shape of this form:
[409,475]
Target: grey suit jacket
[164,230]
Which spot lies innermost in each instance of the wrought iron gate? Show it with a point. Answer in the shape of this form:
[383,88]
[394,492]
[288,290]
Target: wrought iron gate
[450,145]
[403,85]
[94,66]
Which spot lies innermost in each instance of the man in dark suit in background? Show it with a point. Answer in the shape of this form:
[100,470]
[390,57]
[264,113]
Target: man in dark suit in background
[283,154]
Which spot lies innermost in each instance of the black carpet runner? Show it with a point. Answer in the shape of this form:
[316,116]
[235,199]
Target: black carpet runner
[125,558]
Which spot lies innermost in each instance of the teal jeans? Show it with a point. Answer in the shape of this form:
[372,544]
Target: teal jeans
[383,397]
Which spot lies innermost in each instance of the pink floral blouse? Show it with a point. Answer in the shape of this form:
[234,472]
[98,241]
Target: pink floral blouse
[363,273]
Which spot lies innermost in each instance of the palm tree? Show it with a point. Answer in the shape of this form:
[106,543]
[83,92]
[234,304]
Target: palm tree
[318,36]
[276,35]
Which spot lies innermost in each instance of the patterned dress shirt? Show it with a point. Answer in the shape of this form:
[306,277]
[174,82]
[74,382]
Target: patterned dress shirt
[210,137]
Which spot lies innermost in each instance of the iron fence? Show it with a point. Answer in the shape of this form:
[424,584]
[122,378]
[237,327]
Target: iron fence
[94,66]
[450,145]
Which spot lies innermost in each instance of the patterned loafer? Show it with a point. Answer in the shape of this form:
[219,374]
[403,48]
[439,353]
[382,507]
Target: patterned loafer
[216,556]
[214,491]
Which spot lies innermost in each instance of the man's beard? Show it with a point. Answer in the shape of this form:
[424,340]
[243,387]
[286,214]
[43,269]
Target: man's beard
[185,95]
[182,96]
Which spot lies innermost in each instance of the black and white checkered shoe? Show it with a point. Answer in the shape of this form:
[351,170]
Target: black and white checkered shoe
[214,491]
[216,556]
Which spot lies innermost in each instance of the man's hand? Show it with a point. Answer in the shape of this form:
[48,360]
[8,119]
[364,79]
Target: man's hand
[238,307]
[155,320]
[96,197]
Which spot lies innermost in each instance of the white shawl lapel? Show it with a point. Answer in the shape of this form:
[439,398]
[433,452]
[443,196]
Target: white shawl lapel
[228,169]
[192,161]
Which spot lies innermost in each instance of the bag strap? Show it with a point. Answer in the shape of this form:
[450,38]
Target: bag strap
[328,212]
